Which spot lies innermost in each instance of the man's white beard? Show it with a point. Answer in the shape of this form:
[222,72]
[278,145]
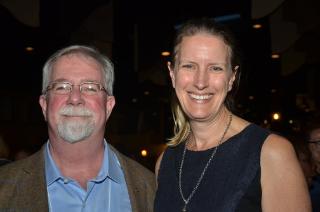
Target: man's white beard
[74,131]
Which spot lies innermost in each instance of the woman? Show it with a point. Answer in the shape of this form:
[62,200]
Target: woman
[217,161]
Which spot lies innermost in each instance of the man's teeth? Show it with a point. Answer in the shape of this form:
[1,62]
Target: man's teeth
[200,97]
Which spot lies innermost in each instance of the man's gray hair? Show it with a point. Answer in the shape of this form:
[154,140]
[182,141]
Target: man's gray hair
[102,60]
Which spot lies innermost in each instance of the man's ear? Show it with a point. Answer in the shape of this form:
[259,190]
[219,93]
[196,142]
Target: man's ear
[110,102]
[171,73]
[43,105]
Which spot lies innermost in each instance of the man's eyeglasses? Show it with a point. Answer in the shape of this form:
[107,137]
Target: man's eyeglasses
[65,88]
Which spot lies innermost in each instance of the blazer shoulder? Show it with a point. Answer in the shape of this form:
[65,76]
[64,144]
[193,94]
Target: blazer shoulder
[140,183]
[23,185]
[26,165]
[132,166]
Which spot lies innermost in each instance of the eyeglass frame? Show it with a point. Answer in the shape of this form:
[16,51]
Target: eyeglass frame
[49,87]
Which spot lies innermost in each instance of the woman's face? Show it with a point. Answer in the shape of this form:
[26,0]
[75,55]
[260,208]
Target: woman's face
[202,76]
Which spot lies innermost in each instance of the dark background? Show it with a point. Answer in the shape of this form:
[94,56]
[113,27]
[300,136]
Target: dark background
[133,34]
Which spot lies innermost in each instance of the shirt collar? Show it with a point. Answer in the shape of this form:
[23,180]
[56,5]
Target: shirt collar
[52,171]
[111,167]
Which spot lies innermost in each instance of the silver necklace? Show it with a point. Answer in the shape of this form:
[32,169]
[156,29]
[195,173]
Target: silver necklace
[187,200]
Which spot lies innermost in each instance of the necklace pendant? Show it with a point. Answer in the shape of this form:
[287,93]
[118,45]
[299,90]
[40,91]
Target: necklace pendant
[184,209]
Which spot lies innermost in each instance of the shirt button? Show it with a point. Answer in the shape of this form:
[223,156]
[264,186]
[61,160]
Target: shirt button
[65,180]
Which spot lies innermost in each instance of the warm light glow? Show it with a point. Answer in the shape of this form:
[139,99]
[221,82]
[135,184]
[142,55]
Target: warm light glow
[275,56]
[144,153]
[165,53]
[276,116]
[146,93]
[29,49]
[290,121]
[265,121]
[251,97]
[257,26]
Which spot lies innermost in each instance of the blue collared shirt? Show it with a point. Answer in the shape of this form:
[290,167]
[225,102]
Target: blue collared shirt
[107,192]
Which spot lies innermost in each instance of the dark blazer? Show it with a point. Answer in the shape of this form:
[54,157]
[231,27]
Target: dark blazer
[4,161]
[23,185]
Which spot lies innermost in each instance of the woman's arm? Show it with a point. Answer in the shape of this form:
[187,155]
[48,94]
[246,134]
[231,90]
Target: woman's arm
[283,184]
[158,165]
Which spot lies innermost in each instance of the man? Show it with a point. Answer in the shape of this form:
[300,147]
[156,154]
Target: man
[76,170]
[313,134]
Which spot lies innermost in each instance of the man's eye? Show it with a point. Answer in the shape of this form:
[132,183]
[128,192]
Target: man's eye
[89,88]
[61,87]
[216,68]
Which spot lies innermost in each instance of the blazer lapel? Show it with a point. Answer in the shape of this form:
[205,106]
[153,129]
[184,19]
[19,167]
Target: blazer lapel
[134,183]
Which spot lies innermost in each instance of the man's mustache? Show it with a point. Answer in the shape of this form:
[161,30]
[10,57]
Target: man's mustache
[75,111]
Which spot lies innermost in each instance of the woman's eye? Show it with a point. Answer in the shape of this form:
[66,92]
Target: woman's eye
[187,66]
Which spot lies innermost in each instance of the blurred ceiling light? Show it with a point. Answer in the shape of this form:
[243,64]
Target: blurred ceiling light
[276,116]
[165,53]
[257,26]
[134,100]
[29,48]
[144,153]
[275,56]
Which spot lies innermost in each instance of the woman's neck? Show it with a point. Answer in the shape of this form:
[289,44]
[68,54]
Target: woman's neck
[207,135]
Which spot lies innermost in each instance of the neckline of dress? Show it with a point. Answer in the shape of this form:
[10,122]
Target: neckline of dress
[229,140]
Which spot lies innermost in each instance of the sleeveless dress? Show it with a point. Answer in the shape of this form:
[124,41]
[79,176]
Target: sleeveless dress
[231,182]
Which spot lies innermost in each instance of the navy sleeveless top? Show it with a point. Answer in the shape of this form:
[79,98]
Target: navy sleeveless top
[231,182]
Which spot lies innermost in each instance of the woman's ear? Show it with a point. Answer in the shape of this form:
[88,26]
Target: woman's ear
[171,73]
